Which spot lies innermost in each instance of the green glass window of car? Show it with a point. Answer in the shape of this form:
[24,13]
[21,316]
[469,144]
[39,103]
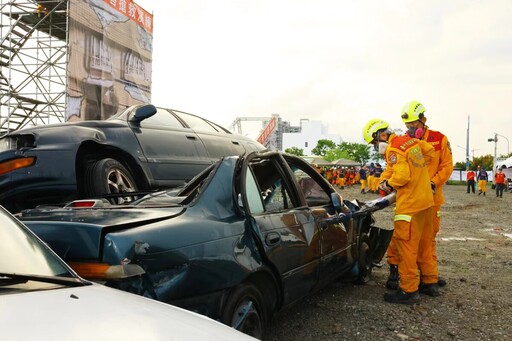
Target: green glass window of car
[196,123]
[253,194]
[162,119]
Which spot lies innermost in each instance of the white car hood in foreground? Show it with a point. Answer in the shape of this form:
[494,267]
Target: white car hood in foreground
[96,312]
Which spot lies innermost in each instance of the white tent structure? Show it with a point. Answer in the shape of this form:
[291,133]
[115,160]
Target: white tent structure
[507,163]
[346,163]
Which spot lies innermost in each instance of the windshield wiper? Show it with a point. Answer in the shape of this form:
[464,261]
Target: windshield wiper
[11,278]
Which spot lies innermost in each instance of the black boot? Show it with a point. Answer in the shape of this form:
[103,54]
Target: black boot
[392,282]
[441,281]
[402,297]
[429,289]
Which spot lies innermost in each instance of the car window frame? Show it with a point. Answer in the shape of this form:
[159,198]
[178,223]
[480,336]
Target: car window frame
[280,164]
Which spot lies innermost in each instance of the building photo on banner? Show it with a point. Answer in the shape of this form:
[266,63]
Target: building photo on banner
[109,68]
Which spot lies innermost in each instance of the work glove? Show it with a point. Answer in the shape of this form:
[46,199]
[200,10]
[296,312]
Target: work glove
[385,187]
[433,186]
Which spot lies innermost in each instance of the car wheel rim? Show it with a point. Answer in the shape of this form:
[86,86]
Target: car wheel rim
[247,319]
[119,182]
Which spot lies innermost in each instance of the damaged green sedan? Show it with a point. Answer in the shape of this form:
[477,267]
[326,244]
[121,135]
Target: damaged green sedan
[246,237]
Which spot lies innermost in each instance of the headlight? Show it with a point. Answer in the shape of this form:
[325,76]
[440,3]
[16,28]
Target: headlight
[16,142]
[6,144]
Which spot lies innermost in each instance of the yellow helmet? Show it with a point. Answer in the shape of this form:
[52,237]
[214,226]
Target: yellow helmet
[412,111]
[372,127]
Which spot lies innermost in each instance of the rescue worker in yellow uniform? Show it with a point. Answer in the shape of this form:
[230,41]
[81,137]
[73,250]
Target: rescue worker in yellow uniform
[440,169]
[370,177]
[407,173]
[376,180]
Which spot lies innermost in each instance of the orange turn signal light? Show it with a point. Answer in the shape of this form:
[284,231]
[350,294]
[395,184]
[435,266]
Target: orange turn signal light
[104,271]
[9,166]
[90,270]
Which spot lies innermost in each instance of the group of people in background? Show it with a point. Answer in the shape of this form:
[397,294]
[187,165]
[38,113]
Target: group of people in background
[418,164]
[481,175]
[367,176]
[340,176]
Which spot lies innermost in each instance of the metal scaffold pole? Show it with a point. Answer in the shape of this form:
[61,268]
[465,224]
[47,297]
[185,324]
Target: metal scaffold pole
[33,62]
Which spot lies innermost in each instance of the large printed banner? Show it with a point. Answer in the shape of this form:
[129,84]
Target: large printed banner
[110,52]
[267,130]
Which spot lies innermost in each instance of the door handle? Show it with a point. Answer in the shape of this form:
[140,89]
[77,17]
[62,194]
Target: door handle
[191,137]
[272,238]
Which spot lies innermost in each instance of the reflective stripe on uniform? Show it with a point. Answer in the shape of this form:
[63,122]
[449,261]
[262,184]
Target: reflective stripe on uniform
[403,217]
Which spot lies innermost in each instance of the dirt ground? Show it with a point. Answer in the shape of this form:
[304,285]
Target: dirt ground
[475,258]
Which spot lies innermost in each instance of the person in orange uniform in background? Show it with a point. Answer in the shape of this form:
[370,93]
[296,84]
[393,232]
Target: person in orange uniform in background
[499,181]
[407,173]
[357,176]
[362,178]
[370,177]
[341,179]
[440,169]
[328,174]
[470,178]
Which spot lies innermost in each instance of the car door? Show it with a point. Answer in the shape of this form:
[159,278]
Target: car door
[217,141]
[286,230]
[334,240]
[174,152]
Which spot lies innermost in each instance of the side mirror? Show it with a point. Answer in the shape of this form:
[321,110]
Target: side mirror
[143,112]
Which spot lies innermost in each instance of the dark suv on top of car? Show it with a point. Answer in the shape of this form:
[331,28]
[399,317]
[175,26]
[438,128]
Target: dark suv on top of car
[140,148]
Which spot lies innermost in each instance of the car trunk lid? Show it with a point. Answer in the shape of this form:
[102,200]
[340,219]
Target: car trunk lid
[78,233]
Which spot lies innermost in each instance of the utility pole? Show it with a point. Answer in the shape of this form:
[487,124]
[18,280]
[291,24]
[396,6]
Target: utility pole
[495,140]
[467,146]
[495,150]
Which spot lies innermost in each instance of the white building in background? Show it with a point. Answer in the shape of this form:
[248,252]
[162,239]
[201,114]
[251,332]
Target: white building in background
[277,134]
[307,136]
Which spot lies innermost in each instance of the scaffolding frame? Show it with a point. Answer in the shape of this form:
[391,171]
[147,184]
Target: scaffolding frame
[33,63]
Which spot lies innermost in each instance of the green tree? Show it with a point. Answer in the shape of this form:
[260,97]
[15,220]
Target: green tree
[356,151]
[335,154]
[322,147]
[295,151]
[485,161]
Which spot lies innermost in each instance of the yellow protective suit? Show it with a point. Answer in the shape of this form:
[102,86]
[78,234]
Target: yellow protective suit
[363,185]
[440,169]
[407,172]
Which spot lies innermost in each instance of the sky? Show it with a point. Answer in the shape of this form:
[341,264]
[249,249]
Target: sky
[339,62]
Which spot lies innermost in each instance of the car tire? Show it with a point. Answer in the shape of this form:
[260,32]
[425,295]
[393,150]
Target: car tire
[364,262]
[108,176]
[246,300]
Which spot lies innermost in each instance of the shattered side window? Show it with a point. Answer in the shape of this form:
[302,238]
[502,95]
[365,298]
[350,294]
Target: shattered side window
[272,189]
